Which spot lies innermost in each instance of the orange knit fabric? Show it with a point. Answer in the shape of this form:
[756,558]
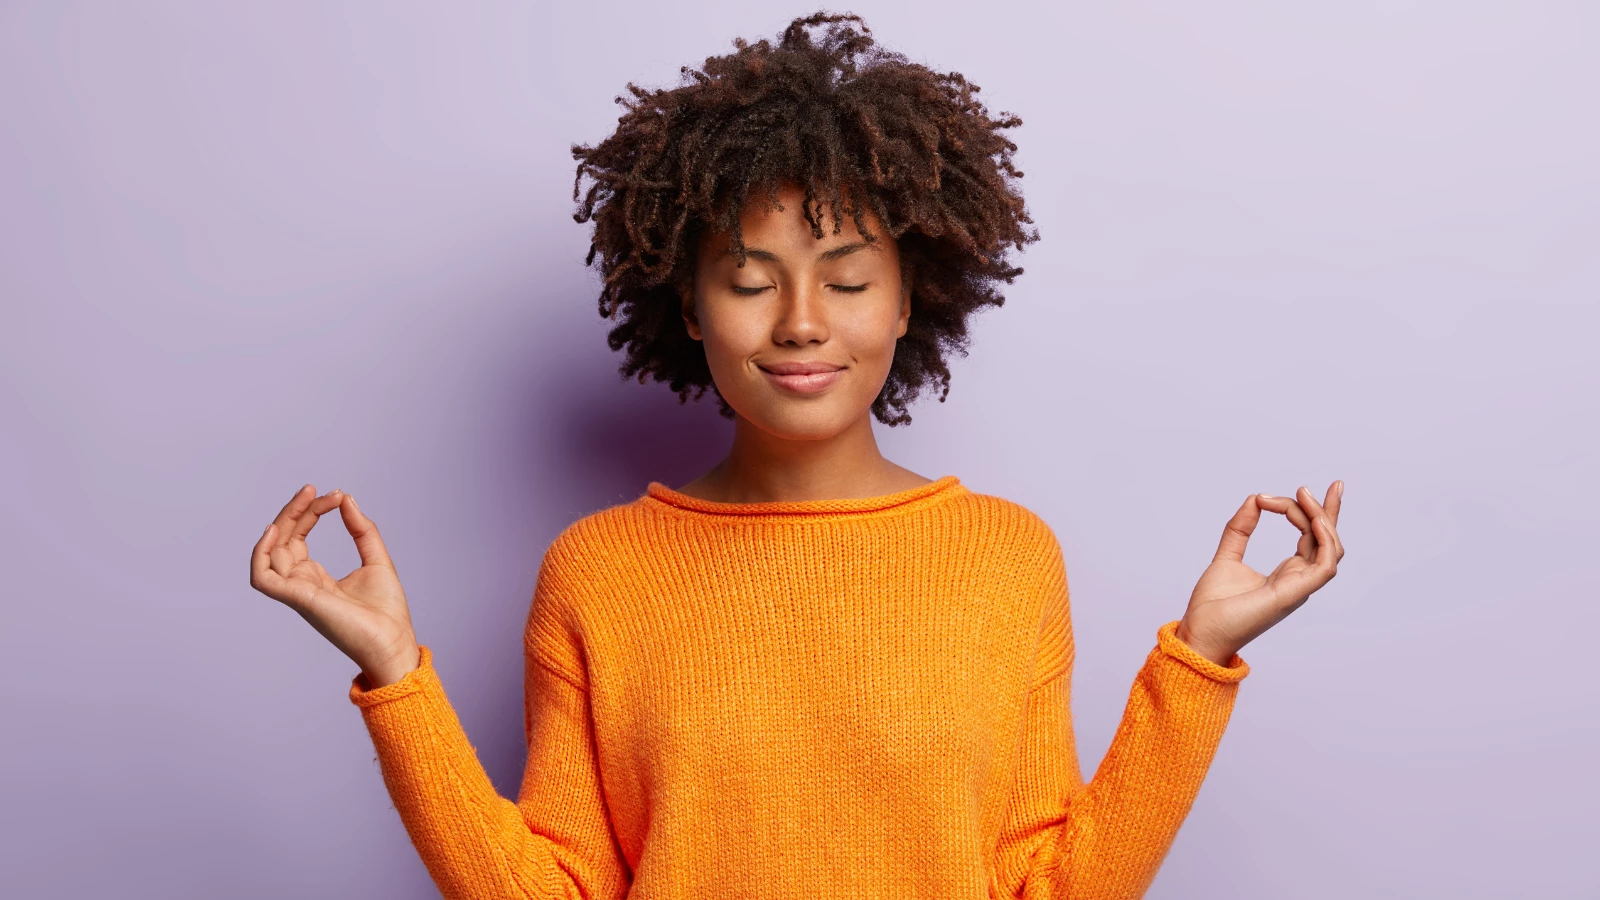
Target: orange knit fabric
[850,698]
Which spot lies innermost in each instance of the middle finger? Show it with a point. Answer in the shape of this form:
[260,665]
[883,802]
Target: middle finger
[1308,502]
[308,519]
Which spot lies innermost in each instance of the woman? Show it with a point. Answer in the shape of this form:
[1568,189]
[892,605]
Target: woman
[810,671]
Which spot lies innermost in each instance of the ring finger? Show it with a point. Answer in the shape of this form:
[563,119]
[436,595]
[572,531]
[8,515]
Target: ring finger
[1314,508]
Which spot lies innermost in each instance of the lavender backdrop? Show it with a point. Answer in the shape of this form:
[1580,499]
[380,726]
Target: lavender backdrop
[252,245]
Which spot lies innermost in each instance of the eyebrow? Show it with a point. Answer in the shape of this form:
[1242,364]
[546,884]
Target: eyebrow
[826,256]
[845,250]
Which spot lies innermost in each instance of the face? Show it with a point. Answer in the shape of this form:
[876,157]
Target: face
[800,339]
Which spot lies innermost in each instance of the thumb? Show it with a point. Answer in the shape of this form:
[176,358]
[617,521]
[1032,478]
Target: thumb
[369,544]
[1236,534]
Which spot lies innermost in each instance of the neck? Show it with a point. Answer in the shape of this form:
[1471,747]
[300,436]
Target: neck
[762,467]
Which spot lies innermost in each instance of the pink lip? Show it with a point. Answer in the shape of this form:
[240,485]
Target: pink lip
[802,377]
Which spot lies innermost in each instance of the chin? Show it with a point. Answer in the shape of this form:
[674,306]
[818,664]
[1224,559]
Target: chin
[800,421]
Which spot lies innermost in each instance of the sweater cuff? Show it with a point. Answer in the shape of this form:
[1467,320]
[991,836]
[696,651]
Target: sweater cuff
[1167,639]
[423,676]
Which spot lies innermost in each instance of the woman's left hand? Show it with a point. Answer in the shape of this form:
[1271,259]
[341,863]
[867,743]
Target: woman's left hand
[1234,603]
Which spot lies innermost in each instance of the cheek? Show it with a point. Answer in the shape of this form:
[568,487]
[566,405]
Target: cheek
[729,338]
[872,334]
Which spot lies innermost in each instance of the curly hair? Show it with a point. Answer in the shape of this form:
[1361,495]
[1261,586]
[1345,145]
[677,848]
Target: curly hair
[859,128]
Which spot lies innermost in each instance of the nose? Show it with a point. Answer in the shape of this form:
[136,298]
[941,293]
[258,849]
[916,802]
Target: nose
[802,317]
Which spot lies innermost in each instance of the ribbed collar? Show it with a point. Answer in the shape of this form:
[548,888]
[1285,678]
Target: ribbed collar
[922,495]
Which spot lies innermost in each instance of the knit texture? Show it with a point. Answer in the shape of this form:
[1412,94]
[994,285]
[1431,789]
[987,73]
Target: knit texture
[852,698]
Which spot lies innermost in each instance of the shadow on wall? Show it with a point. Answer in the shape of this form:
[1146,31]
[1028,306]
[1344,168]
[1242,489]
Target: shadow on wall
[609,437]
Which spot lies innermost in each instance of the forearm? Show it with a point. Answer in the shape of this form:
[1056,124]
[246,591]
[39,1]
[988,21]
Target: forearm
[473,842]
[1120,826]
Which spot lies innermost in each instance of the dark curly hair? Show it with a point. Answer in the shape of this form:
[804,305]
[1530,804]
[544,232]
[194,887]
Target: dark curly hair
[859,128]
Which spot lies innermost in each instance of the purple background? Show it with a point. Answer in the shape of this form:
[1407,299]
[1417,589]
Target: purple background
[248,246]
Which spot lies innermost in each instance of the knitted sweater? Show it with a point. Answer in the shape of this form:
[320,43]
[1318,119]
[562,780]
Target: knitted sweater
[854,698]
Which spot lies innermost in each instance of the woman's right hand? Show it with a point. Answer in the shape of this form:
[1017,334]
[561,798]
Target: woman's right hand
[364,614]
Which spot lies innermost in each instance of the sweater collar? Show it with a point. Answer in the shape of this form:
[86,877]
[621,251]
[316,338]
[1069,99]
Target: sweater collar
[921,495]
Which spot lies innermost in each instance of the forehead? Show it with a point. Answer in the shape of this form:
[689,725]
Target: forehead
[785,232]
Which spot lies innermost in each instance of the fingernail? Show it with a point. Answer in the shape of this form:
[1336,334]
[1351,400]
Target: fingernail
[1341,488]
[353,502]
[266,529]
[1267,497]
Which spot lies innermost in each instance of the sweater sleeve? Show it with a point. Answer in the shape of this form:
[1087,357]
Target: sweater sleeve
[1105,840]
[555,841]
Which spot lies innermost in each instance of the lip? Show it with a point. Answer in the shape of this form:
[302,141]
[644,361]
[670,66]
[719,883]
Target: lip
[802,377]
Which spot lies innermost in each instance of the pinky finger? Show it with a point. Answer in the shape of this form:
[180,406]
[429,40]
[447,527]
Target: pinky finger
[1327,546]
[261,573]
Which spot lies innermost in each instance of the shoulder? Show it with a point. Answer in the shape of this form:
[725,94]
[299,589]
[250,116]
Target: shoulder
[1007,524]
[596,542]
[589,556]
[1034,549]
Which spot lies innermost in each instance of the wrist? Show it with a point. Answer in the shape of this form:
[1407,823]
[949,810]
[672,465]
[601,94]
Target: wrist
[394,666]
[1213,652]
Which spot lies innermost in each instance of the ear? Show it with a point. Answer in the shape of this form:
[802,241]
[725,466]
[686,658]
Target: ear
[905,308]
[691,322]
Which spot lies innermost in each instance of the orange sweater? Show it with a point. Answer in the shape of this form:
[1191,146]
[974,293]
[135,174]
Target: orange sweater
[847,698]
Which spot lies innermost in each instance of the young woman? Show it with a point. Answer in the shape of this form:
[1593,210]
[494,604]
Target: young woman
[809,672]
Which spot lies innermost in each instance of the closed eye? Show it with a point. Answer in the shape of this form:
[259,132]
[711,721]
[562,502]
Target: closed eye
[842,288]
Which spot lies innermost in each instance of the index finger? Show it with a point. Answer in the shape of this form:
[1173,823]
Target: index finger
[291,511]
